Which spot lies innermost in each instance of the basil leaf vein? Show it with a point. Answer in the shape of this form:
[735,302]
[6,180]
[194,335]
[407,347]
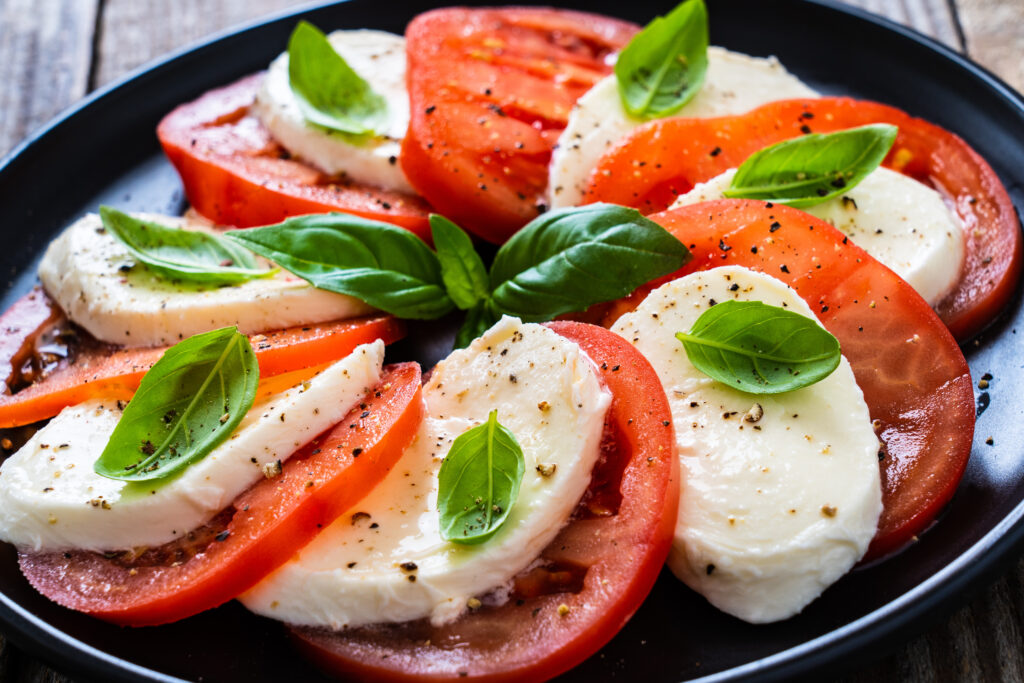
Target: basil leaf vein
[462,269]
[387,267]
[479,482]
[760,349]
[663,66]
[569,259]
[813,168]
[175,253]
[186,405]
[330,94]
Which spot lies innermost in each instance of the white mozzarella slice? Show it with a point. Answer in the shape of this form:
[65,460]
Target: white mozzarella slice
[87,272]
[386,562]
[774,511]
[735,83]
[379,58]
[903,223]
[51,499]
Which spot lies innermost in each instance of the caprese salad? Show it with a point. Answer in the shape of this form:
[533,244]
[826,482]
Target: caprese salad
[199,410]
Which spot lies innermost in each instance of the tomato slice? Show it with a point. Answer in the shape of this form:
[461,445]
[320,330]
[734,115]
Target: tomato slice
[600,567]
[914,377]
[664,159]
[24,326]
[234,172]
[490,90]
[265,527]
[102,370]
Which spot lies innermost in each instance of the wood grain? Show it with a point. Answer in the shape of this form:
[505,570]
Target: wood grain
[48,60]
[994,36]
[45,57]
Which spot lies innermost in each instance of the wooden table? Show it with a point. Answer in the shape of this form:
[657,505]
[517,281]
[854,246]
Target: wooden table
[53,52]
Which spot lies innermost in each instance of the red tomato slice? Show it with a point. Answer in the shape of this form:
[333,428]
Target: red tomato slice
[914,377]
[103,370]
[23,325]
[601,566]
[264,528]
[663,159]
[490,91]
[234,172]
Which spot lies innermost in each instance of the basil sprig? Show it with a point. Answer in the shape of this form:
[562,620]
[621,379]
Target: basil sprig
[186,405]
[813,168]
[560,262]
[188,255]
[330,94]
[479,482]
[663,66]
[760,349]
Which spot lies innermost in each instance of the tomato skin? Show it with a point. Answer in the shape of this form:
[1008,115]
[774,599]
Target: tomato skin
[914,377]
[271,521]
[666,158]
[111,372]
[621,534]
[490,90]
[234,173]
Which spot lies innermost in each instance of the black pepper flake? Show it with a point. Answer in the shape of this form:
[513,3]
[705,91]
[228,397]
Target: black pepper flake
[408,566]
[723,246]
[512,378]
[392,160]
[753,250]
[356,452]
[716,151]
[774,226]
[784,269]
[365,414]
[824,309]
[990,441]
[666,422]
[709,570]
[430,110]
[805,129]
[615,368]
[222,536]
[734,287]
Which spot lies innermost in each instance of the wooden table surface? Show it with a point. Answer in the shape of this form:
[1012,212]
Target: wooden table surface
[53,52]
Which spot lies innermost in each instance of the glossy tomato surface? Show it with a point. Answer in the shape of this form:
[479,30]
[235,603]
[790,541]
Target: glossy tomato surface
[105,152]
[590,579]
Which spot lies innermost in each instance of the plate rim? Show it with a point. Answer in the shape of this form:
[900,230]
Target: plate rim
[942,592]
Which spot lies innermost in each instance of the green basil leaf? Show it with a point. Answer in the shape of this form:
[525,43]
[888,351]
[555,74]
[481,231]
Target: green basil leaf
[462,269]
[186,405]
[569,259]
[663,66]
[479,482]
[387,267]
[760,349]
[813,168]
[330,94]
[478,320]
[179,254]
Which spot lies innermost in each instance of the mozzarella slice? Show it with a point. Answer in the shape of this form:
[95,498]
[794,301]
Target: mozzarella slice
[903,223]
[735,83]
[88,273]
[51,499]
[772,511]
[379,58]
[386,562]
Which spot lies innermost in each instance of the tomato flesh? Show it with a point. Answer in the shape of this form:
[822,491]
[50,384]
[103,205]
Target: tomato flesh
[25,325]
[914,377]
[97,369]
[600,567]
[267,525]
[490,90]
[663,159]
[234,172]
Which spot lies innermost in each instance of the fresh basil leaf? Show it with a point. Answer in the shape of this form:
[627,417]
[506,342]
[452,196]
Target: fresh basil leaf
[479,482]
[569,259]
[760,349]
[462,269]
[182,254]
[387,267]
[478,320]
[330,94]
[663,66]
[813,168]
[186,405]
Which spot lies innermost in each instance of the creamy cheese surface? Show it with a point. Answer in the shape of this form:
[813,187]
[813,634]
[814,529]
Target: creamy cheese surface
[91,275]
[781,493]
[735,83]
[379,58]
[386,561]
[903,223]
[51,499]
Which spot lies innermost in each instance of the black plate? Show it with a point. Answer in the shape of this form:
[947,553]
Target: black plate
[105,151]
